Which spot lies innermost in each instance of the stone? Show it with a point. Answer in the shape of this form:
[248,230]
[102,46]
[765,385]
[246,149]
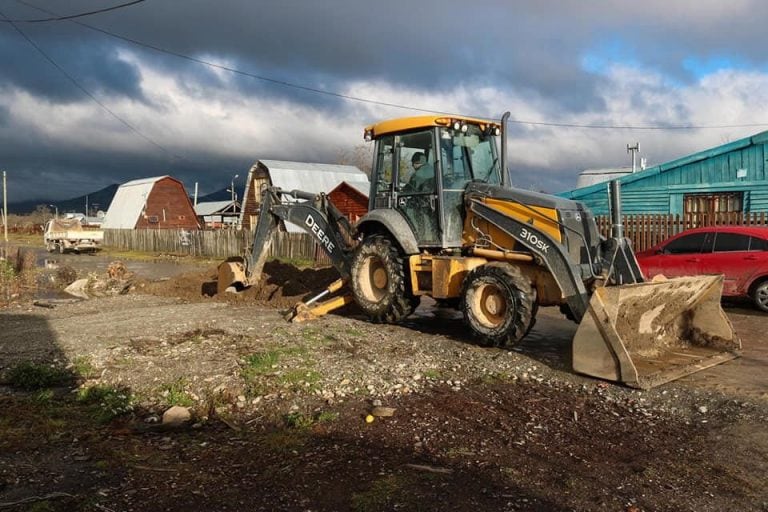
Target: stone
[176,415]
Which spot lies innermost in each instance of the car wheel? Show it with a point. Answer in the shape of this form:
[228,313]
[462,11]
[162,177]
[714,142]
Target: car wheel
[760,296]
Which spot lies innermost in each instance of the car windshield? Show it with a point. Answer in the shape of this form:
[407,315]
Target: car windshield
[469,156]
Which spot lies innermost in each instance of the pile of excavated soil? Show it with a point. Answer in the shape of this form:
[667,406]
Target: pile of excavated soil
[282,285]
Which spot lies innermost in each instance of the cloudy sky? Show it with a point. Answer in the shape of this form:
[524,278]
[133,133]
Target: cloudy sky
[92,101]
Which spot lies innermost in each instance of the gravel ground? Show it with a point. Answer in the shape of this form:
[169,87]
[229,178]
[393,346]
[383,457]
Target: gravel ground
[279,413]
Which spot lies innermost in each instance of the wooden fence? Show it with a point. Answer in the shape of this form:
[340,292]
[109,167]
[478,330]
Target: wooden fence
[645,231]
[218,244]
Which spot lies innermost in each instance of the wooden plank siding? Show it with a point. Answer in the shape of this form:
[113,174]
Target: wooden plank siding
[168,207]
[660,189]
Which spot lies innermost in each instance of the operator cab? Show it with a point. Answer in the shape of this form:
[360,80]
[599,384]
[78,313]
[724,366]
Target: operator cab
[422,166]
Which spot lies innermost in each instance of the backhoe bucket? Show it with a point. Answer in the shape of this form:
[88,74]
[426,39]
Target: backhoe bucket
[231,276]
[650,333]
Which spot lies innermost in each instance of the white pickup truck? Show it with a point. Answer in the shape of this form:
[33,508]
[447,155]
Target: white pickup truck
[68,235]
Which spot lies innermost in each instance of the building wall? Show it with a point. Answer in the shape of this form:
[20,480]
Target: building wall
[740,166]
[168,207]
[349,201]
[258,179]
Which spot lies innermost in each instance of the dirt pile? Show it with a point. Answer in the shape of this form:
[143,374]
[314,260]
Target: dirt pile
[282,286]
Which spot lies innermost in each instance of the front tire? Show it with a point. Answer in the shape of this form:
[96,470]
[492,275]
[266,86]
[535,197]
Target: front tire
[379,282]
[760,296]
[498,304]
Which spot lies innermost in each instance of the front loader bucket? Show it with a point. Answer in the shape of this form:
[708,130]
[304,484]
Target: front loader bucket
[650,333]
[231,276]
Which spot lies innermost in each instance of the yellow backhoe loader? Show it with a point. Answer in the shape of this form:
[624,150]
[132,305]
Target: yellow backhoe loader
[444,222]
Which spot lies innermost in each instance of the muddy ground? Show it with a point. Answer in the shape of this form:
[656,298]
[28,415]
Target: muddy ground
[279,411]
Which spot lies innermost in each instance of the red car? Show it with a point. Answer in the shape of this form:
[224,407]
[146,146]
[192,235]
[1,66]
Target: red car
[740,253]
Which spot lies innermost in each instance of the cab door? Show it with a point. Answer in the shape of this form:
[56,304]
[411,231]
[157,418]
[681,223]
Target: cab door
[419,204]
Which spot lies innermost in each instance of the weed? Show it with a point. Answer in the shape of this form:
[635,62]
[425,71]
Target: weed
[32,376]
[432,374]
[108,402]
[327,417]
[175,393]
[83,367]
[298,420]
[380,496]
[43,397]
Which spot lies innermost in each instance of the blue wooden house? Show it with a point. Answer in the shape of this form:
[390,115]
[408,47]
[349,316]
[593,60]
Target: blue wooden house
[731,178]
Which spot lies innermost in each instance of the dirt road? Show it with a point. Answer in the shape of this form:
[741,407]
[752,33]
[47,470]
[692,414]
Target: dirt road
[280,414]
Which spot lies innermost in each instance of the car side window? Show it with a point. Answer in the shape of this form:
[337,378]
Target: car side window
[685,244]
[758,244]
[730,242]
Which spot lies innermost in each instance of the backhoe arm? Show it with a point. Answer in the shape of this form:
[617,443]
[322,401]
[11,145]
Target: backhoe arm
[313,213]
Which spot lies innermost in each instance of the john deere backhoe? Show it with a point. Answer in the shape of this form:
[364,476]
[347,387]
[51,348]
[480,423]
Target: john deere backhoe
[455,230]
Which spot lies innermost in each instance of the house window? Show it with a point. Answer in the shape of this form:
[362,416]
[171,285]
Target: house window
[703,209]
[724,202]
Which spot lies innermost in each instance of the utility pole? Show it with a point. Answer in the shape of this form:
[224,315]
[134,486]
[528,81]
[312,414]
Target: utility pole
[232,188]
[195,194]
[634,150]
[5,210]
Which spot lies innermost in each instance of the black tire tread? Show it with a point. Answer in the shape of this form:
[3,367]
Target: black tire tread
[523,311]
[399,302]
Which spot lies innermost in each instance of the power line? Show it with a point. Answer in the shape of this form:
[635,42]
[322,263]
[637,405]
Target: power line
[73,16]
[385,103]
[86,91]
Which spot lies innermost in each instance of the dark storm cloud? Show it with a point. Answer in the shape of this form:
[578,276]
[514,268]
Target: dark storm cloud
[554,55]
[96,67]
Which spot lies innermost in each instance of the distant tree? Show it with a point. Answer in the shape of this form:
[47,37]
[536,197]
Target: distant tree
[361,156]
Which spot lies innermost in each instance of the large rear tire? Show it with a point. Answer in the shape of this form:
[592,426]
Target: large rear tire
[498,304]
[379,282]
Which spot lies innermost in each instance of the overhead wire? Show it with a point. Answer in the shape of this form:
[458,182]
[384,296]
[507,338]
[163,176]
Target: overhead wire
[370,101]
[73,16]
[85,91]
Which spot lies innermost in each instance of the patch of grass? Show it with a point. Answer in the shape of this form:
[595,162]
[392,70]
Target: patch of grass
[433,374]
[175,393]
[301,377]
[33,376]
[106,402]
[83,367]
[262,362]
[380,496]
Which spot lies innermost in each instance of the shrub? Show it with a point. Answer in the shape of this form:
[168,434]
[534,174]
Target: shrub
[32,376]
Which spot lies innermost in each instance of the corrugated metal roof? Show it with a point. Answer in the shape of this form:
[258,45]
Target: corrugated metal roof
[211,207]
[313,178]
[128,203]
